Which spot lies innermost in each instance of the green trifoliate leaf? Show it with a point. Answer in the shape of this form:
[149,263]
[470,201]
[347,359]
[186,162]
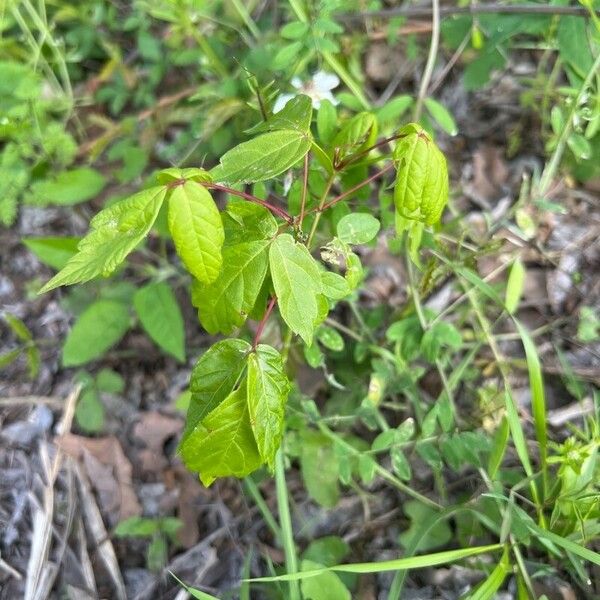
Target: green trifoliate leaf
[213,378]
[160,316]
[197,230]
[295,115]
[357,228]
[223,444]
[268,389]
[114,233]
[421,189]
[263,157]
[297,282]
[96,330]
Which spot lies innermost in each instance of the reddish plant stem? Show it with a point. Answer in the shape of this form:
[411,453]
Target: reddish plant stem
[263,322]
[356,187]
[274,209]
[355,157]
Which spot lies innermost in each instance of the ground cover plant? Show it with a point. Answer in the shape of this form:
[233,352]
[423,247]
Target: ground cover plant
[323,314]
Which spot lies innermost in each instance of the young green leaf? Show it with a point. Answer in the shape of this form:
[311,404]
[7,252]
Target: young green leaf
[114,233]
[297,282]
[53,251]
[421,189]
[223,443]
[197,230]
[327,586]
[97,329]
[326,122]
[263,157]
[213,378]
[320,468]
[160,316]
[357,134]
[334,286]
[268,388]
[357,228]
[514,287]
[441,115]
[68,187]
[167,176]
[295,115]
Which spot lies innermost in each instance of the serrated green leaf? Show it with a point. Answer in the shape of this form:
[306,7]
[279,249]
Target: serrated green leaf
[357,134]
[421,189]
[263,157]
[297,282]
[213,378]
[357,228]
[197,230]
[296,115]
[53,251]
[173,174]
[114,233]
[223,443]
[441,115]
[161,318]
[97,329]
[225,304]
[268,388]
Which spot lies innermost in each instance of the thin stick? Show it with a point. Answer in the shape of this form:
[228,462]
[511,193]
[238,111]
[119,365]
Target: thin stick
[352,190]
[433,50]
[472,9]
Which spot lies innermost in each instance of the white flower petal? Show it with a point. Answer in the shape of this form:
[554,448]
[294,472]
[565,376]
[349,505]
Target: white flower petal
[325,81]
[329,96]
[281,101]
[297,83]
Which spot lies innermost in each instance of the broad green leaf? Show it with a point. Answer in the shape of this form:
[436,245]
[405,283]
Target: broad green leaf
[442,334]
[287,55]
[68,187]
[160,316]
[268,388]
[97,329]
[53,251]
[514,286]
[441,115]
[421,189]
[357,134]
[357,228]
[326,586]
[213,378]
[263,157]
[223,444]
[573,44]
[197,230]
[294,30]
[89,411]
[588,329]
[109,381]
[330,338]
[137,527]
[419,513]
[247,222]
[114,233]
[296,115]
[327,551]
[320,468]
[297,282]
[226,303]
[394,109]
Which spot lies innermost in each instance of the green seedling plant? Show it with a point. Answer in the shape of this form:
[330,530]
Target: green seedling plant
[269,236]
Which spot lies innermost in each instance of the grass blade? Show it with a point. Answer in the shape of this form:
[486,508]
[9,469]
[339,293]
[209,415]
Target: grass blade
[413,562]
[487,590]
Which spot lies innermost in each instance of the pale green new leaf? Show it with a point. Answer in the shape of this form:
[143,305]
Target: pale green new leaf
[334,286]
[160,316]
[357,228]
[96,330]
[514,287]
[213,378]
[223,444]
[297,282]
[53,251]
[327,586]
[268,389]
[295,115]
[114,233]
[197,230]
[263,157]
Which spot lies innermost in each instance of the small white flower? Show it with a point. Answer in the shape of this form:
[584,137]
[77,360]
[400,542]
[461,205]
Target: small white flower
[317,88]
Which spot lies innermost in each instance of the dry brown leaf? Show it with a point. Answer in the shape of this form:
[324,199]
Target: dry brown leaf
[153,430]
[108,471]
